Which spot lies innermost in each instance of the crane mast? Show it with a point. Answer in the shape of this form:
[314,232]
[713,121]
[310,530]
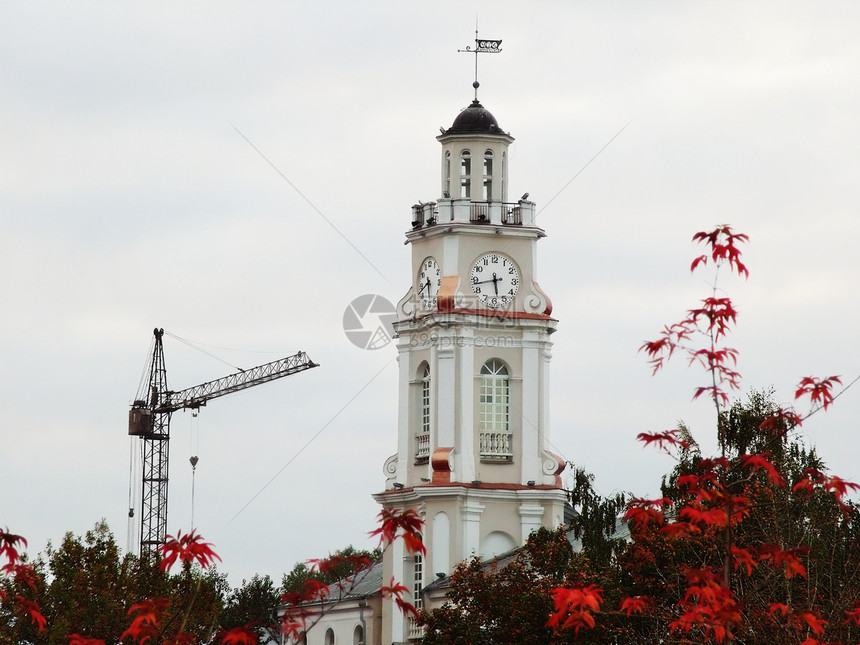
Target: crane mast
[149,419]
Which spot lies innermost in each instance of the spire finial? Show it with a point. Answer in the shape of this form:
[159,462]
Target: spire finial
[482,46]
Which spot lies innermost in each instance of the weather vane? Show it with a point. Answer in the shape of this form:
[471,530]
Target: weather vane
[482,46]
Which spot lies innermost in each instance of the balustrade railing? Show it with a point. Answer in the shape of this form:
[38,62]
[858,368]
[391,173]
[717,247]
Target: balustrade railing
[496,444]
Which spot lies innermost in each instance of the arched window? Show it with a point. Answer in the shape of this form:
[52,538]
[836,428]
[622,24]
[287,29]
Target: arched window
[503,194]
[422,433]
[488,175]
[329,636]
[447,187]
[465,174]
[495,416]
[415,630]
[358,636]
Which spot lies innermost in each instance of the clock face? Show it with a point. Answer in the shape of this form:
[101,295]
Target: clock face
[495,280]
[429,280]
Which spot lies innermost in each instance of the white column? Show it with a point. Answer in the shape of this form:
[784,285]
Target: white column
[532,444]
[403,410]
[464,456]
[471,528]
[445,388]
[531,516]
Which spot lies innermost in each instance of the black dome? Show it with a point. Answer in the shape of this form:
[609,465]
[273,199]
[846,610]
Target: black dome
[475,119]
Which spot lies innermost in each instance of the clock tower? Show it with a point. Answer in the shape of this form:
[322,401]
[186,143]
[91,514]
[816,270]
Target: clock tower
[473,341]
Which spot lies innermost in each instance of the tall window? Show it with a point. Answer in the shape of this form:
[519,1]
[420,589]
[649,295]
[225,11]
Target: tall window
[422,434]
[503,193]
[495,395]
[416,631]
[488,175]
[465,174]
[447,188]
[329,636]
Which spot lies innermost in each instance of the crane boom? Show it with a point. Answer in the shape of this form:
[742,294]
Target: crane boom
[149,419]
[197,396]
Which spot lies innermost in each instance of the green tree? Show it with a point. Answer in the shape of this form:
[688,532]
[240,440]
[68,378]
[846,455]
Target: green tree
[256,602]
[86,586]
[507,601]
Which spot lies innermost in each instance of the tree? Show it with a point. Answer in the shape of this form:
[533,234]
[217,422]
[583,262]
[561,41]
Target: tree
[341,565]
[504,601]
[85,586]
[728,552]
[255,602]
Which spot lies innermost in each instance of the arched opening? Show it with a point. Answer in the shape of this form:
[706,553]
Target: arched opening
[329,636]
[465,174]
[488,175]
[358,636]
[446,188]
[496,543]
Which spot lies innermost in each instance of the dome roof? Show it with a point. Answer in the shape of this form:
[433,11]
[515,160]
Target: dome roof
[475,119]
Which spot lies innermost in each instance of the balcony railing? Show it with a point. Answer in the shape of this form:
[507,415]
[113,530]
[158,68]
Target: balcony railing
[416,631]
[497,213]
[422,446]
[496,445]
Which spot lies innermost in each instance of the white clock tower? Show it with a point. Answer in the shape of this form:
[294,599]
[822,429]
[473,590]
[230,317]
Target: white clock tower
[473,340]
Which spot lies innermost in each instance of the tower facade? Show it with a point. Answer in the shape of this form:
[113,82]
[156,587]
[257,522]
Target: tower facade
[473,341]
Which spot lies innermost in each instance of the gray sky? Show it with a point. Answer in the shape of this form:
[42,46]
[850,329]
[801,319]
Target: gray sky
[128,200]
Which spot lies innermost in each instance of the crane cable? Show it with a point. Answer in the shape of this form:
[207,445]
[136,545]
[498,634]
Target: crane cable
[200,349]
[133,461]
[193,459]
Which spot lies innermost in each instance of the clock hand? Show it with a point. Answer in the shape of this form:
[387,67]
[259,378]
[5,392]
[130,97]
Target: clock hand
[496,284]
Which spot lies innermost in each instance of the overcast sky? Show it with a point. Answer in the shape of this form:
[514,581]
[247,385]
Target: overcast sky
[130,198]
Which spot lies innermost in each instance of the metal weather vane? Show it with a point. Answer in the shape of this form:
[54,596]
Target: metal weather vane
[482,46]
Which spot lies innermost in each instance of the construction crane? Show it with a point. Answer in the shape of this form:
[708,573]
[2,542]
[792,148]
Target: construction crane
[149,419]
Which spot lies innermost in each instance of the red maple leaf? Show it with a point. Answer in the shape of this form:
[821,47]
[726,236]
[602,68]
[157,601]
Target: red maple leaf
[781,421]
[635,604]
[641,512]
[819,390]
[406,523]
[147,616]
[187,548]
[244,635]
[760,462]
[662,439]
[745,558]
[853,614]
[396,591]
[573,607]
[723,243]
[9,544]
[77,639]
[32,609]
[680,529]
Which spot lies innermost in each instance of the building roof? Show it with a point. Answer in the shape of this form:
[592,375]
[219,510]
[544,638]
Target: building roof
[363,584]
[475,119]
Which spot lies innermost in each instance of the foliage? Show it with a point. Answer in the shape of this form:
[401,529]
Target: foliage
[756,544]
[86,593]
[86,587]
